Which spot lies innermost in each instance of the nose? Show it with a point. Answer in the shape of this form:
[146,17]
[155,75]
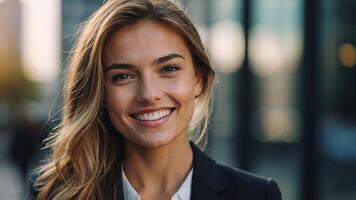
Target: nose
[149,91]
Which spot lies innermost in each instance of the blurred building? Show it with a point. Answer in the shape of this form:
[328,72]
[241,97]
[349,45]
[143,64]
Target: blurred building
[285,99]
[274,140]
[263,104]
[73,14]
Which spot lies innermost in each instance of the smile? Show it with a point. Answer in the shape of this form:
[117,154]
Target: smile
[152,116]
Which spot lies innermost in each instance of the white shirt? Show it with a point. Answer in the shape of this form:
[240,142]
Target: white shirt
[183,192]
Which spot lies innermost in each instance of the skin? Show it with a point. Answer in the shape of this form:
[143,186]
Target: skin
[148,67]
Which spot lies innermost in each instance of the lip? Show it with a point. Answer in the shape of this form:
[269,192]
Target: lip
[154,123]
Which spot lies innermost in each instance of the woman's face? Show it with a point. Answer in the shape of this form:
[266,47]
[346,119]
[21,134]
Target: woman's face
[150,84]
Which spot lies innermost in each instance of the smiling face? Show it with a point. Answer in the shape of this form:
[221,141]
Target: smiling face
[151,84]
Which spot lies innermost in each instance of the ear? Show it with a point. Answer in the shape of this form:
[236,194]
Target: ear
[198,87]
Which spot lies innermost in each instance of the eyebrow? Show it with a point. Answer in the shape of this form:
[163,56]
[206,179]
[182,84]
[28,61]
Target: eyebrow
[118,66]
[156,61]
[167,58]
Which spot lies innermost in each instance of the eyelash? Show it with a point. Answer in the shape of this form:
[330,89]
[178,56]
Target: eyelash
[173,68]
[119,77]
[125,76]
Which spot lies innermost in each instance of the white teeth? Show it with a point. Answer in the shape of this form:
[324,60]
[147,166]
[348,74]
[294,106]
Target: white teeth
[153,115]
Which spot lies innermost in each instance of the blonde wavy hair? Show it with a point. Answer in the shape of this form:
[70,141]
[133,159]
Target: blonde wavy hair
[85,155]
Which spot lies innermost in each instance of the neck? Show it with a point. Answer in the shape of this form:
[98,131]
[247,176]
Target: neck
[162,169]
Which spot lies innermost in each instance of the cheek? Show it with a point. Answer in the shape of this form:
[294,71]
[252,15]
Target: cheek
[118,100]
[182,90]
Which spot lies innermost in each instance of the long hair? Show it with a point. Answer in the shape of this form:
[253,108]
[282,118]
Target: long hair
[85,159]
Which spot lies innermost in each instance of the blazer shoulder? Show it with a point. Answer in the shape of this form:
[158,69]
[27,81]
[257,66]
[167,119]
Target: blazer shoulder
[250,185]
[211,178]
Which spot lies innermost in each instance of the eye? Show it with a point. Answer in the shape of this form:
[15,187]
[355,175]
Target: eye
[121,77]
[170,68]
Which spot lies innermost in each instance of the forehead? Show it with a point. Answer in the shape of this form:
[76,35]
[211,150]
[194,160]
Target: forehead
[143,40]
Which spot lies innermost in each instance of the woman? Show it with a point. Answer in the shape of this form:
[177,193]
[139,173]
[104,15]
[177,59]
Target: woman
[138,89]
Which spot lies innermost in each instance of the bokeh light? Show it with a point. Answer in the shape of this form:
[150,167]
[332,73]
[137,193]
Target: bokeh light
[347,55]
[227,46]
[275,125]
[271,54]
[41,39]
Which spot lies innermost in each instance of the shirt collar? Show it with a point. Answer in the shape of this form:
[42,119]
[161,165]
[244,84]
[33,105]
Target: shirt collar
[183,192]
[129,192]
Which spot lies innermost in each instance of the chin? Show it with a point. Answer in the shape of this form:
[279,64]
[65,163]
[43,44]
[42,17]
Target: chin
[153,144]
[155,140]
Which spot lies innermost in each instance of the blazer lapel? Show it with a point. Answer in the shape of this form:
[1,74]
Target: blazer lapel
[208,178]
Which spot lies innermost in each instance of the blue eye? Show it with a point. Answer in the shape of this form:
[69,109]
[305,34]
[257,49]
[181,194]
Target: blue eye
[169,68]
[121,77]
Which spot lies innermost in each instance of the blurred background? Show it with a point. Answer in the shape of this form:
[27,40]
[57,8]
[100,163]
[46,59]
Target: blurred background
[285,102]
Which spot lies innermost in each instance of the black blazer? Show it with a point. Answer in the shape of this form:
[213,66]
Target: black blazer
[213,181]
